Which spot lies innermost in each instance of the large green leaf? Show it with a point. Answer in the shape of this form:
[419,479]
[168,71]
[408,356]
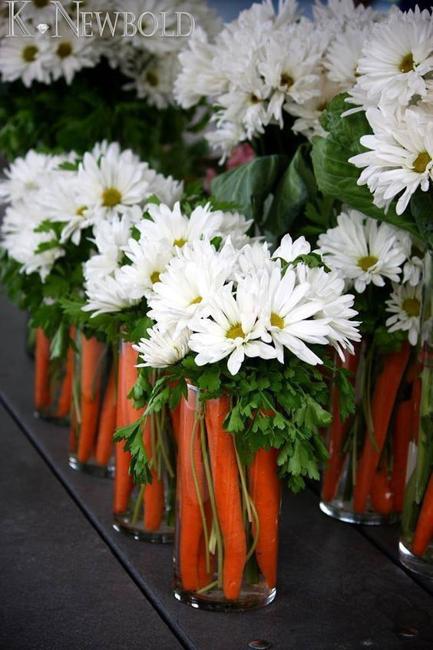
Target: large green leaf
[250,185]
[296,187]
[336,176]
[421,207]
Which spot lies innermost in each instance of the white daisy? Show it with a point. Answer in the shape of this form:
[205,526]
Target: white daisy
[253,258]
[26,176]
[400,157]
[176,228]
[362,250]
[162,349]
[336,306]
[343,55]
[110,238]
[109,294]
[398,58]
[148,261]
[25,59]
[289,317]
[405,305]
[188,284]
[290,250]
[69,54]
[233,329]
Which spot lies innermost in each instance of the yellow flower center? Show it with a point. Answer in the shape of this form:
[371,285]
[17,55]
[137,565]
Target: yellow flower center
[277,321]
[155,277]
[254,99]
[29,53]
[367,262]
[196,301]
[286,80]
[411,306]
[235,331]
[152,79]
[64,50]
[111,197]
[81,210]
[421,162]
[407,63]
[179,242]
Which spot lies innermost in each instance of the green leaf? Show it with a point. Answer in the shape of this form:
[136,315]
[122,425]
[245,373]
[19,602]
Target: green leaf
[337,177]
[296,187]
[421,207]
[250,185]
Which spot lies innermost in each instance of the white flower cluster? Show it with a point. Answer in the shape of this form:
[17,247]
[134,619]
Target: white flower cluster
[151,61]
[128,268]
[395,87]
[269,67]
[232,304]
[107,184]
[40,56]
[364,251]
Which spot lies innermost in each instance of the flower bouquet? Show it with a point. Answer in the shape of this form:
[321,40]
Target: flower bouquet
[364,478]
[237,335]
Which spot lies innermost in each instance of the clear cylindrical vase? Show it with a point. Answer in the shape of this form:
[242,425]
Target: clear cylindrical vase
[363,480]
[416,542]
[227,514]
[52,381]
[146,512]
[94,408]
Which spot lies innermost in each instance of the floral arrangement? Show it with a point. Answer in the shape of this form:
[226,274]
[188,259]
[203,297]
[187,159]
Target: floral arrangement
[222,315]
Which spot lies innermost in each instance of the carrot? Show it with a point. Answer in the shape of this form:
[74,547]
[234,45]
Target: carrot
[64,404]
[227,495]
[42,370]
[416,405]
[265,490]
[92,352]
[384,396]
[190,530]
[126,414]
[401,440]
[381,494]
[153,497]
[338,430]
[107,423]
[424,528]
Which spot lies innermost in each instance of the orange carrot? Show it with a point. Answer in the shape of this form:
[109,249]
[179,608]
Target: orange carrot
[153,497]
[381,494]
[385,393]
[92,352]
[190,531]
[64,404]
[400,443]
[126,414]
[42,370]
[265,491]
[107,423]
[424,527]
[227,495]
[338,430]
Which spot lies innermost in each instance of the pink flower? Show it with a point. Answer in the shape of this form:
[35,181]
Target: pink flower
[242,154]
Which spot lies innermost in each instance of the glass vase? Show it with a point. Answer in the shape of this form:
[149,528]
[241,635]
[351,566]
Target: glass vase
[416,542]
[94,408]
[52,381]
[363,481]
[227,514]
[146,512]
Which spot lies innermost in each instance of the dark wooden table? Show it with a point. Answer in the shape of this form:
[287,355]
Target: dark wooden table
[68,580]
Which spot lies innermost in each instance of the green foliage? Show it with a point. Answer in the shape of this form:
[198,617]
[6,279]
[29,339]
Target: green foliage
[133,437]
[58,117]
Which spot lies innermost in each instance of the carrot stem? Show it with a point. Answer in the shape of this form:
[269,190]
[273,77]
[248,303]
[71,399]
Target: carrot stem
[92,353]
[42,370]
[424,528]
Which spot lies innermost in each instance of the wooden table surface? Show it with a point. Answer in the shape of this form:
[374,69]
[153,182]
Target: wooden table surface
[68,580]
